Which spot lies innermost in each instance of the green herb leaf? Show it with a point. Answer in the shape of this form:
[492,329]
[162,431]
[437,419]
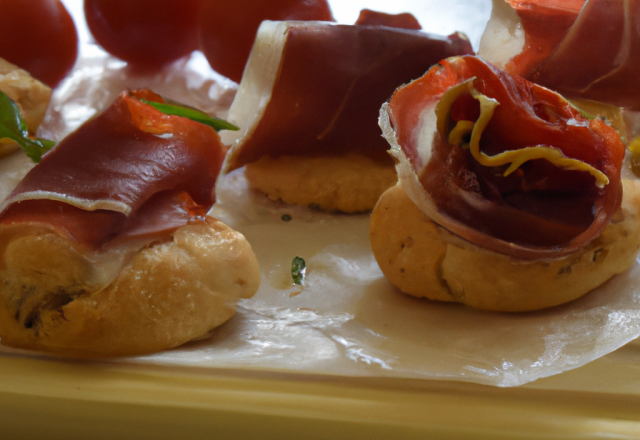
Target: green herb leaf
[582,112]
[195,115]
[298,270]
[286,218]
[12,126]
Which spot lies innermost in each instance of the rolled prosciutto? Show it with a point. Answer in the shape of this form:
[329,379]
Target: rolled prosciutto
[314,89]
[132,170]
[582,49]
[503,163]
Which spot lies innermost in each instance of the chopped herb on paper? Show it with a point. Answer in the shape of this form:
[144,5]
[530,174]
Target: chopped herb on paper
[298,270]
[12,126]
[195,115]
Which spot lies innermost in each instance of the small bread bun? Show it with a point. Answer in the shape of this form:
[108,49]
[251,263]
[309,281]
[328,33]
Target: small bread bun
[58,298]
[423,259]
[351,183]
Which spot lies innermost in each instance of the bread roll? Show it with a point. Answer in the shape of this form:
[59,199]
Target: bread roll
[423,259]
[60,298]
[350,184]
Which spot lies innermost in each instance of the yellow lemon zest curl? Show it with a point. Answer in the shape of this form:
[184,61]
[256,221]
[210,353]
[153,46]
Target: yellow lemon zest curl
[463,129]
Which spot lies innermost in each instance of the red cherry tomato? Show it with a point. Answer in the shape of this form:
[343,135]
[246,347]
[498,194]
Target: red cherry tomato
[227,31]
[146,33]
[40,37]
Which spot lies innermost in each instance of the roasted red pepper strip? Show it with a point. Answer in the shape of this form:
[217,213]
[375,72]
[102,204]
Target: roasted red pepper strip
[542,208]
[130,171]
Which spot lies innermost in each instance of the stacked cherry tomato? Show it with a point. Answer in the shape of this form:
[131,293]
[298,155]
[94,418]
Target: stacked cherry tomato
[146,33]
[151,33]
[40,37]
[227,29]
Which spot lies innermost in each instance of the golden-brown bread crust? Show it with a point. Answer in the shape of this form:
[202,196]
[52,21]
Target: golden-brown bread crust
[58,298]
[350,184]
[423,259]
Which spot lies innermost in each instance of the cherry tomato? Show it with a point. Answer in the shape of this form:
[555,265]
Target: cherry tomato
[40,37]
[146,33]
[227,31]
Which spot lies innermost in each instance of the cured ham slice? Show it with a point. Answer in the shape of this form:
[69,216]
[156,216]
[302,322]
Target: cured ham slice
[314,89]
[580,49]
[503,163]
[402,21]
[99,181]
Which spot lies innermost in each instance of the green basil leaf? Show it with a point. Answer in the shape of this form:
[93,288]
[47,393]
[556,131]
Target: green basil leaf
[582,112]
[298,270]
[12,126]
[195,115]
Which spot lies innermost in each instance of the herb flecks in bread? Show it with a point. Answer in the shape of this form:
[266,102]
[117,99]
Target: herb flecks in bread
[423,259]
[126,301]
[350,184]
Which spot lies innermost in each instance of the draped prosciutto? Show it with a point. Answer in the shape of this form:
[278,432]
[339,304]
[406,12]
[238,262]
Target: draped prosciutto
[314,89]
[580,49]
[404,20]
[132,171]
[509,166]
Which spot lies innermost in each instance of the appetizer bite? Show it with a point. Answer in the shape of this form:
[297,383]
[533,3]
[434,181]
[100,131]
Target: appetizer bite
[308,102]
[509,197]
[28,94]
[106,246]
[580,49]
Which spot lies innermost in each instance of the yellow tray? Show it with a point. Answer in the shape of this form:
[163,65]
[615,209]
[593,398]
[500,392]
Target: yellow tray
[50,398]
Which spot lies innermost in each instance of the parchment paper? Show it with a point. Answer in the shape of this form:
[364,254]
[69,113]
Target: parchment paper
[347,319]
